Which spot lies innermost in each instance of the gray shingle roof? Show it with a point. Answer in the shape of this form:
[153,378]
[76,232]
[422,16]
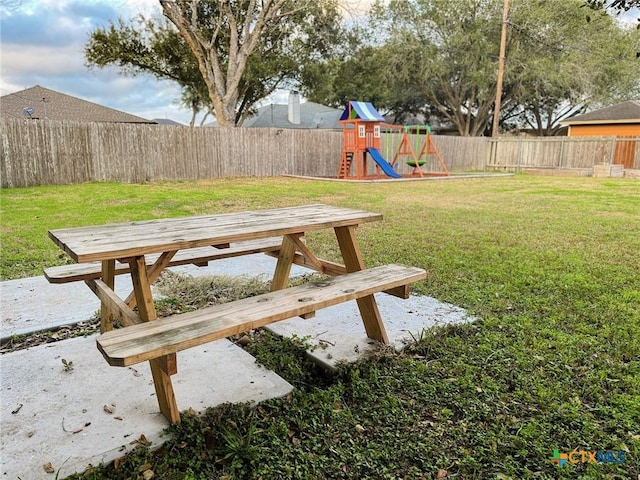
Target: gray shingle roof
[312,115]
[626,112]
[59,106]
[168,121]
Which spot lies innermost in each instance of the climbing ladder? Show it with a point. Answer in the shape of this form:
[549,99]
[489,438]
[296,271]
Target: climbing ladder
[345,165]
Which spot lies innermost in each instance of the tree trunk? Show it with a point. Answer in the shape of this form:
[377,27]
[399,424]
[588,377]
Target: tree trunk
[241,34]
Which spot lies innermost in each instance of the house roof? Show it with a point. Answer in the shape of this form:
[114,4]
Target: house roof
[40,103]
[626,112]
[312,115]
[167,121]
[361,111]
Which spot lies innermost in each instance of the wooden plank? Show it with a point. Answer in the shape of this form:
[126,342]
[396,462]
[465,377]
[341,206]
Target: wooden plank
[106,242]
[161,368]
[161,371]
[334,269]
[309,257]
[367,304]
[153,272]
[325,266]
[199,256]
[322,215]
[123,313]
[108,277]
[131,345]
[142,289]
[286,255]
[285,260]
[400,292]
[348,244]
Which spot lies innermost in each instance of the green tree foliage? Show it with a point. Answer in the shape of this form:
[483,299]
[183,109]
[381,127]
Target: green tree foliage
[153,47]
[425,57]
[226,56]
[559,64]
[336,82]
[246,48]
[446,55]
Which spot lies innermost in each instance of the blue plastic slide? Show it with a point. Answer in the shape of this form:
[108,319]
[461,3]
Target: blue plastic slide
[386,166]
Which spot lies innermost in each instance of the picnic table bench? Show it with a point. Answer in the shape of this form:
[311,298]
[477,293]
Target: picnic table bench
[196,256]
[144,249]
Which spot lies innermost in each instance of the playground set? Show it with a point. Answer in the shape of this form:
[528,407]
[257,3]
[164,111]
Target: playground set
[363,129]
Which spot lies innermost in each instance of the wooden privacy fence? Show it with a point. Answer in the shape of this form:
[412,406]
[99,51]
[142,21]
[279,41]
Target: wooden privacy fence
[53,153]
[44,152]
[50,153]
[579,154]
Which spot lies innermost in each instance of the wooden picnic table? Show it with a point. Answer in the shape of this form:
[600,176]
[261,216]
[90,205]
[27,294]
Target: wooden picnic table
[133,243]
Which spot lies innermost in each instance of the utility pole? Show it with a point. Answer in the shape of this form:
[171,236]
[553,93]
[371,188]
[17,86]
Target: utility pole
[503,48]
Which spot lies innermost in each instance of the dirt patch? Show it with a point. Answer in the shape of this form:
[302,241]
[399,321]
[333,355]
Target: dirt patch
[21,342]
[179,293]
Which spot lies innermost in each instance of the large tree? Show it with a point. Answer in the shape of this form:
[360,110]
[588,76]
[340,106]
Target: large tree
[226,56]
[559,64]
[338,81]
[442,62]
[150,46]
[445,56]
[224,36]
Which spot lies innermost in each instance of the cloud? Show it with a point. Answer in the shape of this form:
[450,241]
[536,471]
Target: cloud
[40,60]
[59,24]
[42,43]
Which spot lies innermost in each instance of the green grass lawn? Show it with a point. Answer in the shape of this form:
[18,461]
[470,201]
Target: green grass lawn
[551,266]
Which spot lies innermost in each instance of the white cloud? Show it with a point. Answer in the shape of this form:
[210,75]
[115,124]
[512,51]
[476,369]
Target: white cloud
[43,43]
[40,60]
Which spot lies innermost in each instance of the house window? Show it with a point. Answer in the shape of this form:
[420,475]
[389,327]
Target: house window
[361,131]
[376,131]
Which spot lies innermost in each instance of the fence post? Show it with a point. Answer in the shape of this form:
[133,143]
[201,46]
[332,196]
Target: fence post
[518,166]
[561,152]
[488,155]
[612,154]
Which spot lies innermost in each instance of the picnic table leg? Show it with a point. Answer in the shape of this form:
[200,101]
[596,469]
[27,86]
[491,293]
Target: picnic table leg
[353,261]
[286,258]
[109,278]
[153,273]
[283,267]
[161,368]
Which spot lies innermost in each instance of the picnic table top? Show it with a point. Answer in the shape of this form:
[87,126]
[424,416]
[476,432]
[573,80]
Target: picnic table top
[123,240]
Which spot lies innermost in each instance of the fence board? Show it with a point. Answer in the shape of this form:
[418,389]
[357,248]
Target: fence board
[48,152]
[569,153]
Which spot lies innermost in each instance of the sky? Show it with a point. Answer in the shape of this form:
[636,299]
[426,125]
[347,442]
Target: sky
[42,43]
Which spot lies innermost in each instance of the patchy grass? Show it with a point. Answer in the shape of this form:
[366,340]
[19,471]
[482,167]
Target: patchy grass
[21,342]
[183,293]
[550,265]
[28,213]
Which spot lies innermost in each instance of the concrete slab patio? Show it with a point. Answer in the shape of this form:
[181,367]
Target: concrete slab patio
[336,334]
[34,304]
[55,414]
[92,413]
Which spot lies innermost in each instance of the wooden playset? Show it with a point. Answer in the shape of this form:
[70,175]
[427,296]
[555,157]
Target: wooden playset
[363,129]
